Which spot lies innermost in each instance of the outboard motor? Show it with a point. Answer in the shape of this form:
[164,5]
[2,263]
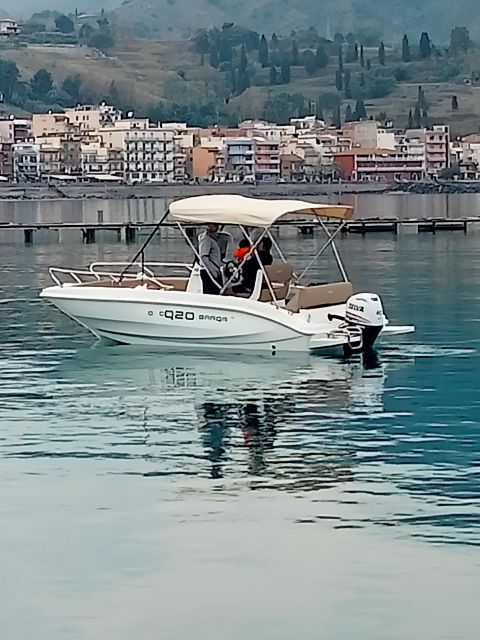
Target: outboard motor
[365,311]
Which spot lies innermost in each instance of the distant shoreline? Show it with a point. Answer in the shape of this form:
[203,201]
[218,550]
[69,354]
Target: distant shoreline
[9,192]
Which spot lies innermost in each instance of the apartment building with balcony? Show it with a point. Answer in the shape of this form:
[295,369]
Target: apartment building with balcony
[384,165]
[26,162]
[254,157]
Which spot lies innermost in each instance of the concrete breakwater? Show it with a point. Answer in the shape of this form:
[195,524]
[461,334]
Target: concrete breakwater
[120,192]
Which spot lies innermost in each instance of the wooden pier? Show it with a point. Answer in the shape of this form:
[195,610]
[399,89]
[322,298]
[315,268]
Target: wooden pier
[128,231]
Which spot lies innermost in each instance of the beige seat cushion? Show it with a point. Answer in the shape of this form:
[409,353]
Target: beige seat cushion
[280,272]
[322,295]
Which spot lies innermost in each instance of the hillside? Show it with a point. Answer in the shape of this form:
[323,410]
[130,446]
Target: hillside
[172,80]
[174,19]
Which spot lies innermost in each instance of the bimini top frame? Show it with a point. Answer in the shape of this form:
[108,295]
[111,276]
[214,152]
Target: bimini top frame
[250,212]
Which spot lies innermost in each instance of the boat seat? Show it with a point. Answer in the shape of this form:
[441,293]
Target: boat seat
[322,295]
[280,275]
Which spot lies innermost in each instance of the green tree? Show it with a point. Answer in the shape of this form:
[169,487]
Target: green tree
[321,58]
[360,112]
[278,108]
[362,56]
[361,80]
[273,75]
[233,81]
[285,72]
[348,114]
[454,103]
[425,45]
[309,62]
[102,21]
[274,41]
[64,24]
[202,41]
[71,85]
[338,41]
[421,99]
[101,40]
[410,120]
[417,117]
[355,52]
[338,80]
[350,38]
[294,53]
[381,54]
[214,61]
[340,61]
[337,118]
[9,75]
[346,84]
[243,77]
[85,33]
[263,51]
[319,108]
[41,83]
[369,64]
[406,56]
[380,87]
[459,40]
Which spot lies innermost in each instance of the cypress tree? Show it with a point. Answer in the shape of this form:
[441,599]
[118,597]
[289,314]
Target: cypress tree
[454,103]
[421,100]
[214,62]
[294,54]
[369,64]
[425,45]
[417,116]
[348,114]
[362,79]
[338,80]
[340,61]
[273,75]
[362,56]
[381,54]
[337,118]
[274,41]
[355,52]
[360,111]
[410,120]
[263,51]
[285,72]
[406,57]
[319,108]
[321,58]
[346,85]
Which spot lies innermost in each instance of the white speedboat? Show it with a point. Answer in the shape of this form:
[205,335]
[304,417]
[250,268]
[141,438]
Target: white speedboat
[163,304]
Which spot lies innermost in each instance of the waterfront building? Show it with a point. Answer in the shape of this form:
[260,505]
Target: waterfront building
[208,158]
[9,28]
[383,165]
[26,162]
[254,157]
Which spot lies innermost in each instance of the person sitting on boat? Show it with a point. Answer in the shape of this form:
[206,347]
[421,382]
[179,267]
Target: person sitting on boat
[252,265]
[232,272]
[243,249]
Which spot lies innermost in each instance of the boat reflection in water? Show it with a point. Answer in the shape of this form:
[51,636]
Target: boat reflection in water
[274,422]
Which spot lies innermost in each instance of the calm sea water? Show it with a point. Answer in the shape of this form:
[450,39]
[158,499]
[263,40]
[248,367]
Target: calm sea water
[147,496]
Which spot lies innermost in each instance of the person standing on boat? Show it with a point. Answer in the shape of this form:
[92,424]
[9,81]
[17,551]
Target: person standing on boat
[214,249]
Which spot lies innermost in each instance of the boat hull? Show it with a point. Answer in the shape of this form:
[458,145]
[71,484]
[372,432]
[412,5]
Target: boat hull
[165,320]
